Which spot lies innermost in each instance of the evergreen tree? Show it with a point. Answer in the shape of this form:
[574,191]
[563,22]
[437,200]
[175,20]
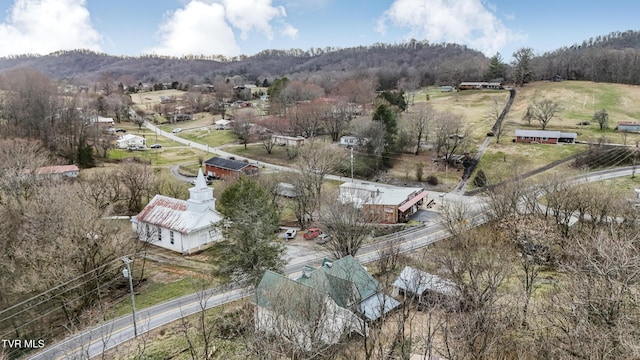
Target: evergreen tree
[387,117]
[250,247]
[496,68]
[395,98]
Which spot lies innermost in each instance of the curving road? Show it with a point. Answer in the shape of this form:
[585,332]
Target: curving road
[95,341]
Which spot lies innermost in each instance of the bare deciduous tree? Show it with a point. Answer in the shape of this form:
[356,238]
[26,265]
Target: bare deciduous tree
[419,123]
[347,226]
[451,136]
[544,111]
[138,180]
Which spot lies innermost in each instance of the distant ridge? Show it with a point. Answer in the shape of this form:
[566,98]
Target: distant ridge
[86,65]
[614,57]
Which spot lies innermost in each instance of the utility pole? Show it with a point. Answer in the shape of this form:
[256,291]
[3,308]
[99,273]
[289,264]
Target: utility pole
[352,164]
[128,275]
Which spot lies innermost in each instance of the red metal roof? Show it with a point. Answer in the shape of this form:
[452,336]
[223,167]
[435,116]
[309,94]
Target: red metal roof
[59,169]
[404,207]
[166,212]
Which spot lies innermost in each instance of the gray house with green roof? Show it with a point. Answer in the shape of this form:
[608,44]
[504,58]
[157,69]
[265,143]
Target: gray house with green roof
[322,305]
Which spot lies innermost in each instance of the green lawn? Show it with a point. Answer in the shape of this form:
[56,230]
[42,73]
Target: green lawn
[503,161]
[212,138]
[154,293]
[167,155]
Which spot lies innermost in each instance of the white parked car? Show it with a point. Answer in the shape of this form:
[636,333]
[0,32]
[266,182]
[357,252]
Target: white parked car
[290,234]
[176,130]
[323,238]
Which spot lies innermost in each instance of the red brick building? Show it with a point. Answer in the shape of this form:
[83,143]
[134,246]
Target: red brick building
[544,137]
[227,168]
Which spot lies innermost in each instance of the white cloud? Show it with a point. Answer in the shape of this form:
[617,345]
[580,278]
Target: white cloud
[198,28]
[252,15]
[289,31]
[207,26]
[466,22]
[44,26]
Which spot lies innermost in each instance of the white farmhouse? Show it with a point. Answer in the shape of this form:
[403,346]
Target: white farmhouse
[131,141]
[223,124]
[184,226]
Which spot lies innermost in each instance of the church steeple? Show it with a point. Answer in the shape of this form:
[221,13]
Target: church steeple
[200,193]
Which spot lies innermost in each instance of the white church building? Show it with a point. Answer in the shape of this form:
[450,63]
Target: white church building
[184,226]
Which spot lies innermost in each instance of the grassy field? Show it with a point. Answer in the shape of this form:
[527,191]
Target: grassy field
[209,137]
[578,101]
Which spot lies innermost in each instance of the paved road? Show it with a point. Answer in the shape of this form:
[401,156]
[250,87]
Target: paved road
[219,151]
[101,338]
[95,341]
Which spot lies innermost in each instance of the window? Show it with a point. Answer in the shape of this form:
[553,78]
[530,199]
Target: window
[159,234]
[171,237]
[147,232]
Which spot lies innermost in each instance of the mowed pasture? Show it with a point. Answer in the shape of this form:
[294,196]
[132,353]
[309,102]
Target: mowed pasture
[578,101]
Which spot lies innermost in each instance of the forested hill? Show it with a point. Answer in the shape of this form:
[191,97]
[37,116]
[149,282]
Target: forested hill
[614,57]
[417,58]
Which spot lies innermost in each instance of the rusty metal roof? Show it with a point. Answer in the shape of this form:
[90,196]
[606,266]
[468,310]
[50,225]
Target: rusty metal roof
[177,215]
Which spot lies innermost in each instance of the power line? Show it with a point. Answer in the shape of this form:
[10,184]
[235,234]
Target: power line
[58,286]
[95,277]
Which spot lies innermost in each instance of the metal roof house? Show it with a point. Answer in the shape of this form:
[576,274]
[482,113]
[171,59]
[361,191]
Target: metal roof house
[223,124]
[426,287]
[184,226]
[131,141]
[480,85]
[544,137]
[58,171]
[227,169]
[322,305]
[387,205]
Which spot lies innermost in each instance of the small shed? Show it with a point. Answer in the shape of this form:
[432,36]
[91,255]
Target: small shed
[429,289]
[286,190]
[629,126]
[284,140]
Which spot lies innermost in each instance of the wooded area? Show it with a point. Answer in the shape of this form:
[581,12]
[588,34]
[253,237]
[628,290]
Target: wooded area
[553,274]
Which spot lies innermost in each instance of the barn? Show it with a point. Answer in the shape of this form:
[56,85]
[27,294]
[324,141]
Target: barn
[629,126]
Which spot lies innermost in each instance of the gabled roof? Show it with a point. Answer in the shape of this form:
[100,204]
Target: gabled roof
[291,298]
[178,215]
[59,169]
[345,281]
[418,281]
[545,133]
[227,163]
[378,195]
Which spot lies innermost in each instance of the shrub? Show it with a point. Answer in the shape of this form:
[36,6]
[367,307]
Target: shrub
[432,180]
[419,172]
[480,180]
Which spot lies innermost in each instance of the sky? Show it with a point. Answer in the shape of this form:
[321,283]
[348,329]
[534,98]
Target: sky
[246,27]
